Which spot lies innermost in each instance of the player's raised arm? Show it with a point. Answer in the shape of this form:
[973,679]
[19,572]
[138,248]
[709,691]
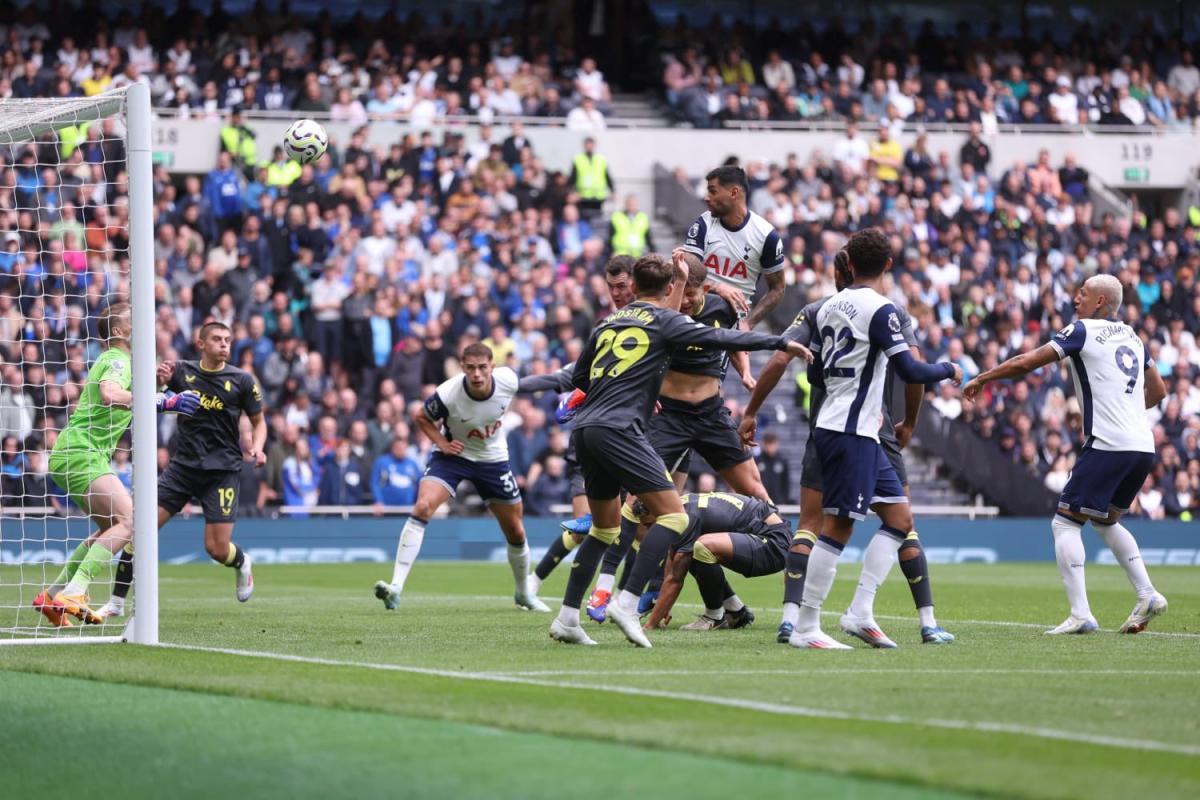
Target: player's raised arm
[1025,363]
[776,286]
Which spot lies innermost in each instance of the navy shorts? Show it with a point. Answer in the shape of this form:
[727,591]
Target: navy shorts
[857,474]
[810,469]
[1103,480]
[492,479]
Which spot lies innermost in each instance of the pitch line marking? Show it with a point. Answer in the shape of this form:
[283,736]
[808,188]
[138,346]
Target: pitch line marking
[728,702]
[883,671]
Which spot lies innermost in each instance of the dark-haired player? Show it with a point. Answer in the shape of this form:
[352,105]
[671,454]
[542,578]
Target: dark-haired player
[618,276]
[858,332]
[207,462]
[462,419]
[736,245]
[882,549]
[621,371]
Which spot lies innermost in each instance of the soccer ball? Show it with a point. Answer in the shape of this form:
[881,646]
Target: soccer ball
[305,141]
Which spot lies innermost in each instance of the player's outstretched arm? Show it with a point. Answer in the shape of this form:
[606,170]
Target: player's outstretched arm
[558,381]
[768,379]
[683,330]
[676,569]
[1015,367]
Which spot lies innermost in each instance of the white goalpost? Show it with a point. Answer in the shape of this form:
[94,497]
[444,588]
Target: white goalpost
[76,236]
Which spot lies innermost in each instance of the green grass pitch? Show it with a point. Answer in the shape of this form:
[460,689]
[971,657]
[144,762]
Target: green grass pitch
[458,694]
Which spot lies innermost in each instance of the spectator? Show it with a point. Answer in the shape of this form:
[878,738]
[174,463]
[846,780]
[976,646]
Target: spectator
[629,230]
[526,442]
[328,293]
[551,487]
[852,151]
[395,476]
[342,480]
[778,74]
[887,156]
[1181,500]
[585,118]
[773,466]
[300,477]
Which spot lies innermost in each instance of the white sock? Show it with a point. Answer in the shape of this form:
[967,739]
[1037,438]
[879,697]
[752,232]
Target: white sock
[717,613]
[927,618]
[518,560]
[877,563]
[1125,548]
[535,583]
[569,616]
[791,613]
[628,601]
[605,583]
[822,569]
[734,603]
[407,550]
[1069,552]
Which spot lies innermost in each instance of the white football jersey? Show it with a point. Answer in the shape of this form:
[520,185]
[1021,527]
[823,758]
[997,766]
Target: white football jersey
[1108,363]
[475,423]
[856,332]
[737,256]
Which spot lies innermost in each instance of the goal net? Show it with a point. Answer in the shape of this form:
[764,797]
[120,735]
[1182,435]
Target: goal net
[75,241]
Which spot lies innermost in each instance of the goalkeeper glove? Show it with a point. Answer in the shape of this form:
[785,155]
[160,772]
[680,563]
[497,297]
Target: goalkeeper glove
[568,406]
[185,403]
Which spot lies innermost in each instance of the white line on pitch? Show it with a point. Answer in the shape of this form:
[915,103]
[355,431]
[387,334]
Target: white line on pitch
[730,702]
[1065,673]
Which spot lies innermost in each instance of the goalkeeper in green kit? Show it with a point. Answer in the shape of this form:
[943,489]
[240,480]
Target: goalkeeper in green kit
[80,464]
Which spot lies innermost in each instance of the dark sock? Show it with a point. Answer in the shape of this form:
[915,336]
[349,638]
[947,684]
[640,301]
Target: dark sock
[236,557]
[557,552]
[726,590]
[709,578]
[650,557]
[583,569]
[618,549]
[794,570]
[124,576]
[631,558]
[916,570]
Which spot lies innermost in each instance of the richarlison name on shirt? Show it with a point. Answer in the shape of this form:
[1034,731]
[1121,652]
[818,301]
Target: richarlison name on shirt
[1117,329]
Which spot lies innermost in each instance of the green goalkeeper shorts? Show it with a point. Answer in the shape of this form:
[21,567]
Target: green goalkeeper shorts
[74,471]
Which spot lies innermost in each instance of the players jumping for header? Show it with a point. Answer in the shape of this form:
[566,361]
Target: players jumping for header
[463,420]
[1116,381]
[882,549]
[858,332]
[621,371]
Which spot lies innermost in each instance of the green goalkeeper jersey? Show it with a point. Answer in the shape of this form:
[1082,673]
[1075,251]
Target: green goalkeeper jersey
[96,427]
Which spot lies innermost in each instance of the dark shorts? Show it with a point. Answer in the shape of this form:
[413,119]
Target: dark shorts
[857,472]
[1104,480]
[574,473]
[810,469]
[705,427]
[217,491]
[492,479]
[761,552]
[613,459]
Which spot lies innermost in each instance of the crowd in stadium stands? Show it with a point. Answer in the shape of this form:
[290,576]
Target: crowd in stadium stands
[1119,75]
[351,284]
[275,62]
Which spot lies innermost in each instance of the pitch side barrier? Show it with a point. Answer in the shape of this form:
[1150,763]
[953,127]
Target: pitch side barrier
[345,538]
